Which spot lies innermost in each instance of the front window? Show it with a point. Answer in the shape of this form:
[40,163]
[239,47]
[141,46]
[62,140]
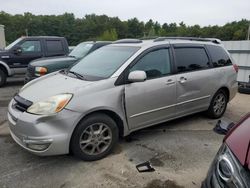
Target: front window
[155,64]
[13,44]
[103,62]
[31,46]
[81,50]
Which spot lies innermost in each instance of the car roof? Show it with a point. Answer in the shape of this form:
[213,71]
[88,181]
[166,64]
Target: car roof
[96,42]
[46,37]
[166,40]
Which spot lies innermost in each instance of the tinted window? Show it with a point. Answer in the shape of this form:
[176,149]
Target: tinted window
[54,46]
[102,63]
[155,63]
[31,46]
[190,59]
[219,56]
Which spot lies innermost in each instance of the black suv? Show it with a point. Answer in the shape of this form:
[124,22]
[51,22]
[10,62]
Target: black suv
[40,67]
[15,58]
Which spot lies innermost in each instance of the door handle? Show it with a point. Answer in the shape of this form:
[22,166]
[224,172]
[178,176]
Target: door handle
[182,80]
[170,82]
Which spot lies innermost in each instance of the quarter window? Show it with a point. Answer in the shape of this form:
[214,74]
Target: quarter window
[31,46]
[219,56]
[155,64]
[191,59]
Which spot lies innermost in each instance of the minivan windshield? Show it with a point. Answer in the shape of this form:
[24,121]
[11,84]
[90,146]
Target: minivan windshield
[13,44]
[81,50]
[103,62]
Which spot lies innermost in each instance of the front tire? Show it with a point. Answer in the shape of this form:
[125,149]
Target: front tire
[218,105]
[94,138]
[3,77]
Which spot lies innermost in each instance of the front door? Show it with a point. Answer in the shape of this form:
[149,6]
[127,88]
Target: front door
[30,50]
[153,100]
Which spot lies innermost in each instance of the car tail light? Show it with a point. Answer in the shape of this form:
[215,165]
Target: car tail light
[236,68]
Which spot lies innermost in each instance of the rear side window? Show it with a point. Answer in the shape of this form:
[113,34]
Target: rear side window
[156,64]
[191,59]
[219,56]
[54,46]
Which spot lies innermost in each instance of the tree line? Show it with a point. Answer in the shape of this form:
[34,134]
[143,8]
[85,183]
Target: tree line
[102,27]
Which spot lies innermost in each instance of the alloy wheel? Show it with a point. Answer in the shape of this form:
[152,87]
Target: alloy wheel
[95,139]
[219,104]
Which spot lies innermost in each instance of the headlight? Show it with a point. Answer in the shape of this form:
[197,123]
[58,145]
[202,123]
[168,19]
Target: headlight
[228,170]
[40,71]
[51,105]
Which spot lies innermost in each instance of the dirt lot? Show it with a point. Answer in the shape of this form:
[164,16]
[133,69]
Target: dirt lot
[180,151]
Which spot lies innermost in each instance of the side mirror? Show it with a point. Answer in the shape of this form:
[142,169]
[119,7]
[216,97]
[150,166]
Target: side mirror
[17,50]
[137,76]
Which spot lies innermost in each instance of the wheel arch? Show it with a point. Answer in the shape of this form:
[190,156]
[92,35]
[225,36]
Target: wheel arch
[118,120]
[5,68]
[226,90]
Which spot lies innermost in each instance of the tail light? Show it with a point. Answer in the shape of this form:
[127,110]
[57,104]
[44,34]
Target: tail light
[236,68]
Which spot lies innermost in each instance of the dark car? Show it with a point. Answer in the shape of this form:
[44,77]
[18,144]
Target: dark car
[15,58]
[44,66]
[231,166]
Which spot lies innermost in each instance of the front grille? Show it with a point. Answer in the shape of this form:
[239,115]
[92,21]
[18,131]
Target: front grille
[30,71]
[21,104]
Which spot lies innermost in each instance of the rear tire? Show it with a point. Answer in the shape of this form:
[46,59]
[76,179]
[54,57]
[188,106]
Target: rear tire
[3,78]
[218,105]
[94,138]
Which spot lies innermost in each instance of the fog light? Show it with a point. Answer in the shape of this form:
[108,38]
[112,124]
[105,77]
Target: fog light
[38,147]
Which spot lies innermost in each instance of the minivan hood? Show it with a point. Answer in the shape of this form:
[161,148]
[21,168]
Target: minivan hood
[238,140]
[50,85]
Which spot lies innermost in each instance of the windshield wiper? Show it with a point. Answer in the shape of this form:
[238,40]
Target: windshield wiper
[77,75]
[72,56]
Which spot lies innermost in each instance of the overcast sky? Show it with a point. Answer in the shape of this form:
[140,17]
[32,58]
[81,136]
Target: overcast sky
[202,12]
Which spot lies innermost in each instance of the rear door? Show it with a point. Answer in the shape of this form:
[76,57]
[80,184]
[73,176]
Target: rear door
[153,100]
[54,47]
[194,76]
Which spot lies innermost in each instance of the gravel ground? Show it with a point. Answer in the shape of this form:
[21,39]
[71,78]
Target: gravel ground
[180,151]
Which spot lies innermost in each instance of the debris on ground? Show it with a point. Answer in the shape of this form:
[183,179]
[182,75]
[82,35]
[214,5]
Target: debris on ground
[222,127]
[145,167]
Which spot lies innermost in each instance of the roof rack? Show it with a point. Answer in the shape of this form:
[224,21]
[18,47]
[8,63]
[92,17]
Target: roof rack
[149,38]
[127,41]
[214,40]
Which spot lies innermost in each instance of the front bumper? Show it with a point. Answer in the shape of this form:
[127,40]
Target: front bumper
[42,135]
[28,78]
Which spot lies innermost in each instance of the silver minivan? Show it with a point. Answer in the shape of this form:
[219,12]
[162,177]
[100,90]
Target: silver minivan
[120,88]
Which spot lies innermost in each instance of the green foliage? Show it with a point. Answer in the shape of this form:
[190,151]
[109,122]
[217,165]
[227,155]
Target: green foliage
[102,27]
[109,35]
